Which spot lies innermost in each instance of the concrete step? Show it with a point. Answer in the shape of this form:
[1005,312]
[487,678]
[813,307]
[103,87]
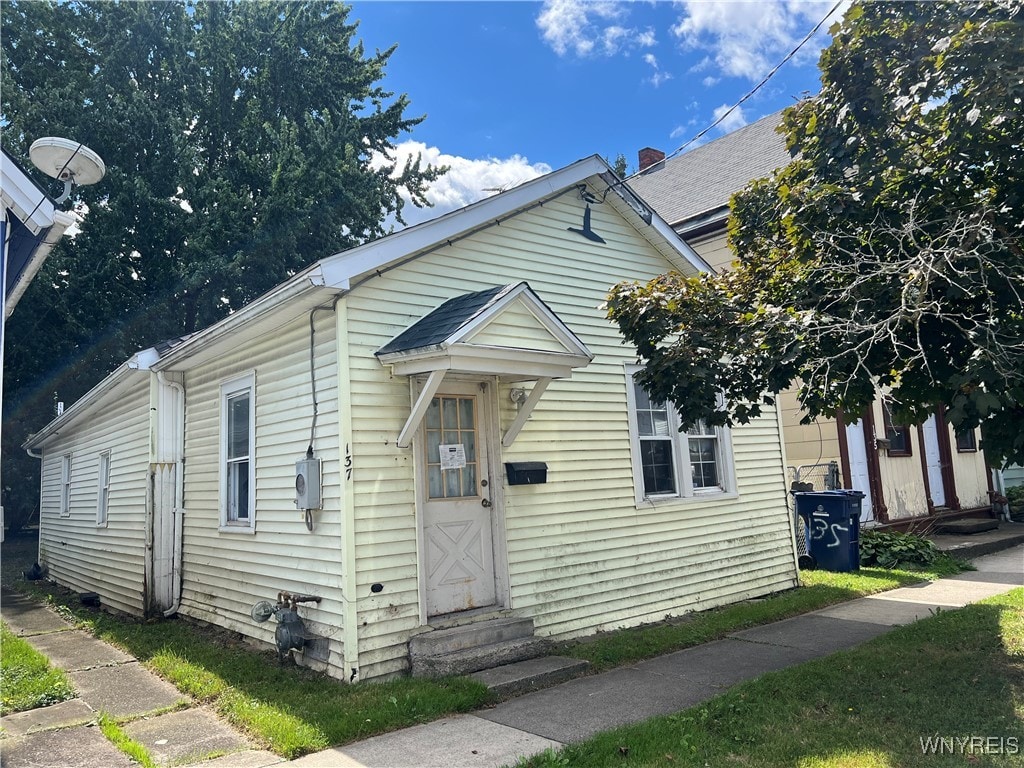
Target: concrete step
[531,675]
[463,637]
[968,525]
[466,660]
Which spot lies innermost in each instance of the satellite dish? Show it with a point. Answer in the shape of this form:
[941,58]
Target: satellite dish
[68,161]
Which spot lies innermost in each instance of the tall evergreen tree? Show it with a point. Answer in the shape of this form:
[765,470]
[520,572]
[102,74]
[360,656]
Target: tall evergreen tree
[243,141]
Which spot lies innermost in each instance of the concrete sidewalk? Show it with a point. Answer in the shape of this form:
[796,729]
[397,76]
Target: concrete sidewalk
[178,732]
[578,709]
[108,681]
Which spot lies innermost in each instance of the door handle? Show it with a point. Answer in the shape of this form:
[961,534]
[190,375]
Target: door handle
[485,502]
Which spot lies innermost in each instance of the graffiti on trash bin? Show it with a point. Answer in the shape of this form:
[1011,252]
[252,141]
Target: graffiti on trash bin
[820,527]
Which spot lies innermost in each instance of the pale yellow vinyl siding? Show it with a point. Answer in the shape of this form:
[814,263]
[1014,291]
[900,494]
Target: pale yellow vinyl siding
[226,572]
[516,327]
[807,444]
[714,249]
[970,474]
[581,556]
[107,560]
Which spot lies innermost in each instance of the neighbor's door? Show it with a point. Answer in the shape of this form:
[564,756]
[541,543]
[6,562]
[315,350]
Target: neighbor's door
[933,461]
[457,513]
[860,475]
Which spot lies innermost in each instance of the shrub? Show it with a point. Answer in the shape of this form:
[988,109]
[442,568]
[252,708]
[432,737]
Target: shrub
[889,549]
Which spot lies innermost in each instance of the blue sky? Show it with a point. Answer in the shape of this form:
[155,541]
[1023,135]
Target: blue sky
[513,89]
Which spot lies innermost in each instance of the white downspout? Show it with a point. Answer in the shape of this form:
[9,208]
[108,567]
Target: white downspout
[179,490]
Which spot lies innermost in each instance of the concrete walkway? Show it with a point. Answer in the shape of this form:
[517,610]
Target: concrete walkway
[111,681]
[578,709]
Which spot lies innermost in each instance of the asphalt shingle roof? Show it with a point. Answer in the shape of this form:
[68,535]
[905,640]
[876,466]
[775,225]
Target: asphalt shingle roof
[703,179]
[442,322]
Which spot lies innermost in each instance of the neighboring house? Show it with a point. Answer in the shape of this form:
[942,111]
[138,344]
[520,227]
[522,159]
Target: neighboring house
[907,473]
[458,400]
[30,225]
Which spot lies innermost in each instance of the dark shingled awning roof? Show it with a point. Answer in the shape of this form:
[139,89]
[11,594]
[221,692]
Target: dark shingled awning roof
[437,326]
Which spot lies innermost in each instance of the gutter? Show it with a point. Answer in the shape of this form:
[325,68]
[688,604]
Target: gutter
[113,379]
[307,281]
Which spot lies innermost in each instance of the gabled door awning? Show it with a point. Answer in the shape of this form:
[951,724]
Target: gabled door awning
[505,331]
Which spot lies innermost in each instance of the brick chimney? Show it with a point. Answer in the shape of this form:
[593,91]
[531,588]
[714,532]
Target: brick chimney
[649,156]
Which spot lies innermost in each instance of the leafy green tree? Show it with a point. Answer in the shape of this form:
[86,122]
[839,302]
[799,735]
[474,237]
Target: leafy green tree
[886,256]
[243,141]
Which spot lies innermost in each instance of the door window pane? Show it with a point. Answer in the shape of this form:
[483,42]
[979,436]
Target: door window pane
[451,421]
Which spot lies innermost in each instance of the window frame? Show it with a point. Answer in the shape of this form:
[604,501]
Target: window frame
[65,485]
[232,389]
[892,429]
[972,448]
[103,489]
[682,469]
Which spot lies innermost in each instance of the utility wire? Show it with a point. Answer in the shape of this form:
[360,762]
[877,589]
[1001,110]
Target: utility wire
[752,91]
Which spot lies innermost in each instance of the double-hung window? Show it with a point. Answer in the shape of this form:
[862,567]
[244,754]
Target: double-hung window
[103,489]
[668,463]
[65,485]
[238,442]
[898,435]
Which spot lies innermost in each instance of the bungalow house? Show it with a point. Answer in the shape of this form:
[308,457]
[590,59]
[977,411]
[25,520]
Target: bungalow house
[908,473]
[435,429]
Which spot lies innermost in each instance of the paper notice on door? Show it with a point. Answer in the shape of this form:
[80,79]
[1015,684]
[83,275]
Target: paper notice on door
[453,456]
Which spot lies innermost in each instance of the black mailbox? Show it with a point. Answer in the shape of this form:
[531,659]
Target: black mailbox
[526,472]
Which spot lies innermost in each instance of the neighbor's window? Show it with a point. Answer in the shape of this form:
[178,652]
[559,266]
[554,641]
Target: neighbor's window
[65,485]
[103,489]
[898,435]
[668,463]
[966,441]
[238,480]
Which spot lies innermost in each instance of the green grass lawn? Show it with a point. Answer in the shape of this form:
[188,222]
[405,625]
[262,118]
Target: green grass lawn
[27,680]
[292,710]
[956,675]
[289,710]
[819,589]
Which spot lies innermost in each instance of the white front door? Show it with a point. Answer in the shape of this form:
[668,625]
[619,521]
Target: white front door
[859,475]
[458,552]
[933,461]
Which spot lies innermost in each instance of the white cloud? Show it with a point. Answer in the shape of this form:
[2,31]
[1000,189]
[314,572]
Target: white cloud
[590,27]
[747,39]
[659,76]
[467,180]
[735,119]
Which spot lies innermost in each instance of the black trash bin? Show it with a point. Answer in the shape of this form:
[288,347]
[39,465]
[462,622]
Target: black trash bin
[832,525]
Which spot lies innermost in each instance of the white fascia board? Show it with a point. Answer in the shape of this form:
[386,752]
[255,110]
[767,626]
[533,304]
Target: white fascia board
[23,196]
[508,363]
[659,233]
[106,391]
[61,222]
[310,281]
[342,268]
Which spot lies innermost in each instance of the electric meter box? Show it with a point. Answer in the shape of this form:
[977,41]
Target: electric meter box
[307,484]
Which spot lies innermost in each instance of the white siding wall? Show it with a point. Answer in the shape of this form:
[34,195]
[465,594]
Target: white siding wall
[581,556]
[225,573]
[970,474]
[107,560]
